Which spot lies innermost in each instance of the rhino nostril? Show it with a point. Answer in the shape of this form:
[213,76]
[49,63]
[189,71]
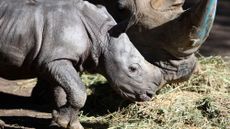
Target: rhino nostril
[146,96]
[149,94]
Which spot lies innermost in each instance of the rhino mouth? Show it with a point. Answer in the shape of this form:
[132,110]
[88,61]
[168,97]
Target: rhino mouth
[140,97]
[144,95]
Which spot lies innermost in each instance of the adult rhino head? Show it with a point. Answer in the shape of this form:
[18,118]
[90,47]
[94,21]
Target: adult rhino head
[165,23]
[167,35]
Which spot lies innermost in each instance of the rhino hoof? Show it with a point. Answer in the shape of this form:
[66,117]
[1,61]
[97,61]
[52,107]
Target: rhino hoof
[62,124]
[65,119]
[75,125]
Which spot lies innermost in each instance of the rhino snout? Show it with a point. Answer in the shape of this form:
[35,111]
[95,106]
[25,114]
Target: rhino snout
[145,96]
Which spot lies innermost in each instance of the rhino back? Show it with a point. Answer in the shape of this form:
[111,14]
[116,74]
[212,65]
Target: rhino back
[19,30]
[32,34]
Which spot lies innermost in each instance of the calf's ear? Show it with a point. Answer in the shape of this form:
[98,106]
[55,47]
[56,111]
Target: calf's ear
[122,27]
[118,29]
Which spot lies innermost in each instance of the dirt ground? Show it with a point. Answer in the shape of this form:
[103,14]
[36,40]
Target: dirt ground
[18,111]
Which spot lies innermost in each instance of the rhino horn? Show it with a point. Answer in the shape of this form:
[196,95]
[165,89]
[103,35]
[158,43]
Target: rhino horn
[186,33]
[202,19]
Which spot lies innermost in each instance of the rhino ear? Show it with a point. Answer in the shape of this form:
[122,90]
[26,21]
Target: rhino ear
[118,29]
[122,27]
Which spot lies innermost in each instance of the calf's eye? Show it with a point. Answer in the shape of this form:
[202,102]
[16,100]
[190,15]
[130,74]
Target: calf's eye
[134,68]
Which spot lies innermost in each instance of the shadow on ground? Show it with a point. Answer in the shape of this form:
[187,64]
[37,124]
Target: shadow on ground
[103,100]
[19,122]
[19,112]
[23,122]
[13,101]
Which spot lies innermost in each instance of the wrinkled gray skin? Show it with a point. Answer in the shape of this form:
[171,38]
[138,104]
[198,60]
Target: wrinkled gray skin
[55,40]
[164,33]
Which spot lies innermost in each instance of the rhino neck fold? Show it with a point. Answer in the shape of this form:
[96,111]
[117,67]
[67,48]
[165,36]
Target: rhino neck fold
[97,22]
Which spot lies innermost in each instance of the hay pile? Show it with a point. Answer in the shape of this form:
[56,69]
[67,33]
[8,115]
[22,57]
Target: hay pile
[203,102]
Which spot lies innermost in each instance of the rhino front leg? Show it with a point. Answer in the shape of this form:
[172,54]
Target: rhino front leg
[59,97]
[63,75]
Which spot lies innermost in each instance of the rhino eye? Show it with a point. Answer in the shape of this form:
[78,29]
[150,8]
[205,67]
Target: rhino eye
[133,68]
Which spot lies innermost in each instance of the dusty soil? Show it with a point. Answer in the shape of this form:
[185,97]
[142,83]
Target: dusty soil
[18,111]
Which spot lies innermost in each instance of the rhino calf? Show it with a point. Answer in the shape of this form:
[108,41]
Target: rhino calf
[55,40]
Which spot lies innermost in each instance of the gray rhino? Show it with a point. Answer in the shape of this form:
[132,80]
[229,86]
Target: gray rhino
[165,34]
[55,40]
